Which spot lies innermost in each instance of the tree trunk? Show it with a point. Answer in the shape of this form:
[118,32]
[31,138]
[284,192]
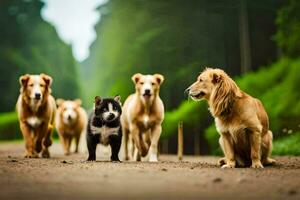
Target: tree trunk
[244,38]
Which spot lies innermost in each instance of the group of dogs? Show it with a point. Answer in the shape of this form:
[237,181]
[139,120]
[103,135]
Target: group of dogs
[241,120]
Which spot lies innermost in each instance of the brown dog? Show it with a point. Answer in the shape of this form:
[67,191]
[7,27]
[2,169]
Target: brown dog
[36,109]
[240,119]
[143,113]
[70,122]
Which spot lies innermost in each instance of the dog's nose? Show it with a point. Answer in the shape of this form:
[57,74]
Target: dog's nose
[111,116]
[147,91]
[187,90]
[37,95]
[69,117]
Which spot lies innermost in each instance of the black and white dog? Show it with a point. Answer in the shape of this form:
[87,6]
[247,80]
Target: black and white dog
[104,127]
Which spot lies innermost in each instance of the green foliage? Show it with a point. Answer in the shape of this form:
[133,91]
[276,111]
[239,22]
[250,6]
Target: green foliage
[9,126]
[174,38]
[190,113]
[30,45]
[288,34]
[288,145]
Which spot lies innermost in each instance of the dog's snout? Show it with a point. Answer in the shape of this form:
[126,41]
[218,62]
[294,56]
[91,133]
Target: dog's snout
[69,117]
[186,91]
[147,91]
[37,95]
[111,116]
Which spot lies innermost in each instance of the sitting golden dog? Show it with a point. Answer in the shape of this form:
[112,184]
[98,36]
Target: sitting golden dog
[70,122]
[36,109]
[143,113]
[240,119]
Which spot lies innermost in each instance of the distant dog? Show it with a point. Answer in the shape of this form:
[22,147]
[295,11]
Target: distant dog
[36,110]
[143,113]
[70,122]
[104,127]
[240,119]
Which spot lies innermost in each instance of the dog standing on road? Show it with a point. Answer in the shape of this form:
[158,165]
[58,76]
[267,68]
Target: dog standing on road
[36,110]
[104,127]
[70,122]
[241,120]
[143,113]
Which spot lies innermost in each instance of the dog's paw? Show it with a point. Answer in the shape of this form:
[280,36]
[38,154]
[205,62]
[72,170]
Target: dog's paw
[153,158]
[229,164]
[45,153]
[31,155]
[257,164]
[270,161]
[221,162]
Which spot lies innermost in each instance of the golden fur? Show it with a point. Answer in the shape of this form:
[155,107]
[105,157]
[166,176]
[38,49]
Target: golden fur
[36,114]
[241,120]
[70,122]
[142,117]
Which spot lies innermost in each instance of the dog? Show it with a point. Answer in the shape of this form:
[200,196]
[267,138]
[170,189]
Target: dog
[70,122]
[143,114]
[36,111]
[241,120]
[104,127]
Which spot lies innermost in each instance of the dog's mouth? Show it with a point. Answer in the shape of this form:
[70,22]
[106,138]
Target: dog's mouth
[147,95]
[198,95]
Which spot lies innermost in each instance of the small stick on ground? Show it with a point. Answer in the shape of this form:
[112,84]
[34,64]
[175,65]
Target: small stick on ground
[180,140]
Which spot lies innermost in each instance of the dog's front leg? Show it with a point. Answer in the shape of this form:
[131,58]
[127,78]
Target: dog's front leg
[29,143]
[255,142]
[138,141]
[155,135]
[228,150]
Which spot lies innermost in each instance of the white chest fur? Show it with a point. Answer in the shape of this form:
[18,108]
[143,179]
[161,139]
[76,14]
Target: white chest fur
[146,120]
[105,132]
[34,121]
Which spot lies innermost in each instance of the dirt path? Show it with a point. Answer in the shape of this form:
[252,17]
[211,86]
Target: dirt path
[195,178]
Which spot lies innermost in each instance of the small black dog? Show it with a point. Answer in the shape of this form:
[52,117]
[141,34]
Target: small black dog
[104,127]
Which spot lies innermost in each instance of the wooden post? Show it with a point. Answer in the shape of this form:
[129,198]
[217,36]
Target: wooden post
[180,140]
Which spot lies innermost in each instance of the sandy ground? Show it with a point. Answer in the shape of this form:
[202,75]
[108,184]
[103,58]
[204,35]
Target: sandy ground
[70,177]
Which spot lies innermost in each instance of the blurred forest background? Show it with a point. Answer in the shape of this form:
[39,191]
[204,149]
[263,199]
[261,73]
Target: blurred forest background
[256,42]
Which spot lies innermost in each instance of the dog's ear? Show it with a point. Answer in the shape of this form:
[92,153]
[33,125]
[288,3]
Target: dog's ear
[24,79]
[216,78]
[47,79]
[159,78]
[78,102]
[117,98]
[98,100]
[59,102]
[135,78]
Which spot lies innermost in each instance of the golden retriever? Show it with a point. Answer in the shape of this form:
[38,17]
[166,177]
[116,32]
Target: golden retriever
[143,113]
[241,120]
[36,110]
[70,122]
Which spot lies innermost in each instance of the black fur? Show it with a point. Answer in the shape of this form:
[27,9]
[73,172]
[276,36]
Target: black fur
[96,120]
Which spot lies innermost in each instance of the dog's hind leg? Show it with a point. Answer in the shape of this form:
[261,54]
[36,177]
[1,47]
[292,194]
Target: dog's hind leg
[267,149]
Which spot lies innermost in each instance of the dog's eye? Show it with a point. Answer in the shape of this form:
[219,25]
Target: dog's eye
[41,85]
[142,83]
[30,85]
[152,83]
[200,80]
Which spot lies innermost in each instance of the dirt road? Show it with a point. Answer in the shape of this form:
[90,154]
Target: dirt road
[71,177]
